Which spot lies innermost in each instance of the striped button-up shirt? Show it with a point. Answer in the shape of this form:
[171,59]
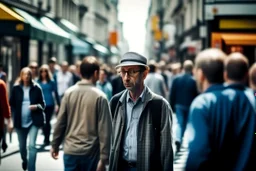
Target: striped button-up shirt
[133,112]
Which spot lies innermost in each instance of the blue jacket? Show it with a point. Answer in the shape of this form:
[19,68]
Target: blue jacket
[183,90]
[221,127]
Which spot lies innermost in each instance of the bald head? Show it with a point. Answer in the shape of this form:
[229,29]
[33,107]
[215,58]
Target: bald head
[236,67]
[188,66]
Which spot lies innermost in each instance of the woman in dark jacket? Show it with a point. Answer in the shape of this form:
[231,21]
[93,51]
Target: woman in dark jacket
[49,88]
[27,105]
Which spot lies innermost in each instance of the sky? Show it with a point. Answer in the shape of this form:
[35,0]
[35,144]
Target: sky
[134,13]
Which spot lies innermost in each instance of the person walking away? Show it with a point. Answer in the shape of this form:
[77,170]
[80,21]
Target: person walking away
[27,105]
[182,93]
[84,123]
[221,123]
[236,77]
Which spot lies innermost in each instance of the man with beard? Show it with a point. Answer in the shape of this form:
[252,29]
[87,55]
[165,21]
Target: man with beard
[142,121]
[221,123]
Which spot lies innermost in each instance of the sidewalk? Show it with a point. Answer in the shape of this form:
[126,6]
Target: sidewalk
[13,146]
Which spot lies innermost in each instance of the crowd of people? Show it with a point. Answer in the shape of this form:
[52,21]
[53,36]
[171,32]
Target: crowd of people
[123,116]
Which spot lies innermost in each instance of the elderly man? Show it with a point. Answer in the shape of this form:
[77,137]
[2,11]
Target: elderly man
[142,129]
[220,131]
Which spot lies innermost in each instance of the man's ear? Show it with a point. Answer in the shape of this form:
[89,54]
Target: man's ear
[145,73]
[200,75]
[96,74]
[225,76]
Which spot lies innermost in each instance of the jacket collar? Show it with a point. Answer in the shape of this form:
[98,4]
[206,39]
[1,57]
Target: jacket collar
[237,86]
[214,87]
[148,95]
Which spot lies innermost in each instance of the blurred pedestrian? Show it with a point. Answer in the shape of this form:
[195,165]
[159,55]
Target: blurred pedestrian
[50,91]
[84,123]
[182,93]
[117,84]
[103,84]
[27,105]
[34,68]
[236,77]
[75,76]
[155,81]
[52,66]
[142,138]
[3,75]
[5,113]
[64,79]
[252,78]
[221,123]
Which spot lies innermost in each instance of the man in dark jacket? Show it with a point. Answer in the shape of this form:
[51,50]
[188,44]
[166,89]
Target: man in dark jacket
[220,131]
[182,93]
[236,76]
[142,134]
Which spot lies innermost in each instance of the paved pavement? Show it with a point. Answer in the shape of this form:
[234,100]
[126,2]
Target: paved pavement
[45,161]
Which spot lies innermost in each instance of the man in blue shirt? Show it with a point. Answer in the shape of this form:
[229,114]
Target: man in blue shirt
[220,131]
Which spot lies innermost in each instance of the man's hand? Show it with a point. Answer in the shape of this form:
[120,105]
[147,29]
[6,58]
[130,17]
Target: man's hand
[32,107]
[55,154]
[101,166]
[10,125]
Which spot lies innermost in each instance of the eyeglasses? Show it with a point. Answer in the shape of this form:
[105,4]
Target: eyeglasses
[130,72]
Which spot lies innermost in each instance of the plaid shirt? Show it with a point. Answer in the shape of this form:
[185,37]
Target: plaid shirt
[145,138]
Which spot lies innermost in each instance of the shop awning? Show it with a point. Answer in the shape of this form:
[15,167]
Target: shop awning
[114,50]
[188,44]
[36,28]
[57,34]
[11,23]
[16,22]
[239,39]
[79,46]
[101,48]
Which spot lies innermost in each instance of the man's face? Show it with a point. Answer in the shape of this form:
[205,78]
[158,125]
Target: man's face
[64,68]
[102,76]
[198,73]
[132,77]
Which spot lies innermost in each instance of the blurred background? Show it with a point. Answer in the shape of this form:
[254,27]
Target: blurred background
[169,30]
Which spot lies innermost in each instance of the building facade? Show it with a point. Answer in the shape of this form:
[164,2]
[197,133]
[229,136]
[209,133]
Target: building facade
[36,30]
[228,25]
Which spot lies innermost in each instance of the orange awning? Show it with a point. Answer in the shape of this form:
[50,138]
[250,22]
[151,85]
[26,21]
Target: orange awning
[7,14]
[239,39]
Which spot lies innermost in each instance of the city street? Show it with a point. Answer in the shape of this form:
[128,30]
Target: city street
[11,160]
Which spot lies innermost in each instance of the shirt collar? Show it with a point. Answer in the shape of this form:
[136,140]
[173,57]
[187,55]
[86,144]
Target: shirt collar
[142,96]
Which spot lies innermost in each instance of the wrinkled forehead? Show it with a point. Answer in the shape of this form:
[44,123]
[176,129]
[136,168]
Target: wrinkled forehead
[132,67]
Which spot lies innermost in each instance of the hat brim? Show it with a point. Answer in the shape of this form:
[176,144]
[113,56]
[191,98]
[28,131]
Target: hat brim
[131,64]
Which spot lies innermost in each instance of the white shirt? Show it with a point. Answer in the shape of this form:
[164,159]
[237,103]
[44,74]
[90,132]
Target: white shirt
[64,81]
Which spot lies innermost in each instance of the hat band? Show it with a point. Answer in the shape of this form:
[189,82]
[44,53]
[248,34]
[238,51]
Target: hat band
[132,60]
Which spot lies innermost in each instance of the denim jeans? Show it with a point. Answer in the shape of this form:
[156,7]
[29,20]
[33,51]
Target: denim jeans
[182,118]
[23,133]
[80,162]
[47,127]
